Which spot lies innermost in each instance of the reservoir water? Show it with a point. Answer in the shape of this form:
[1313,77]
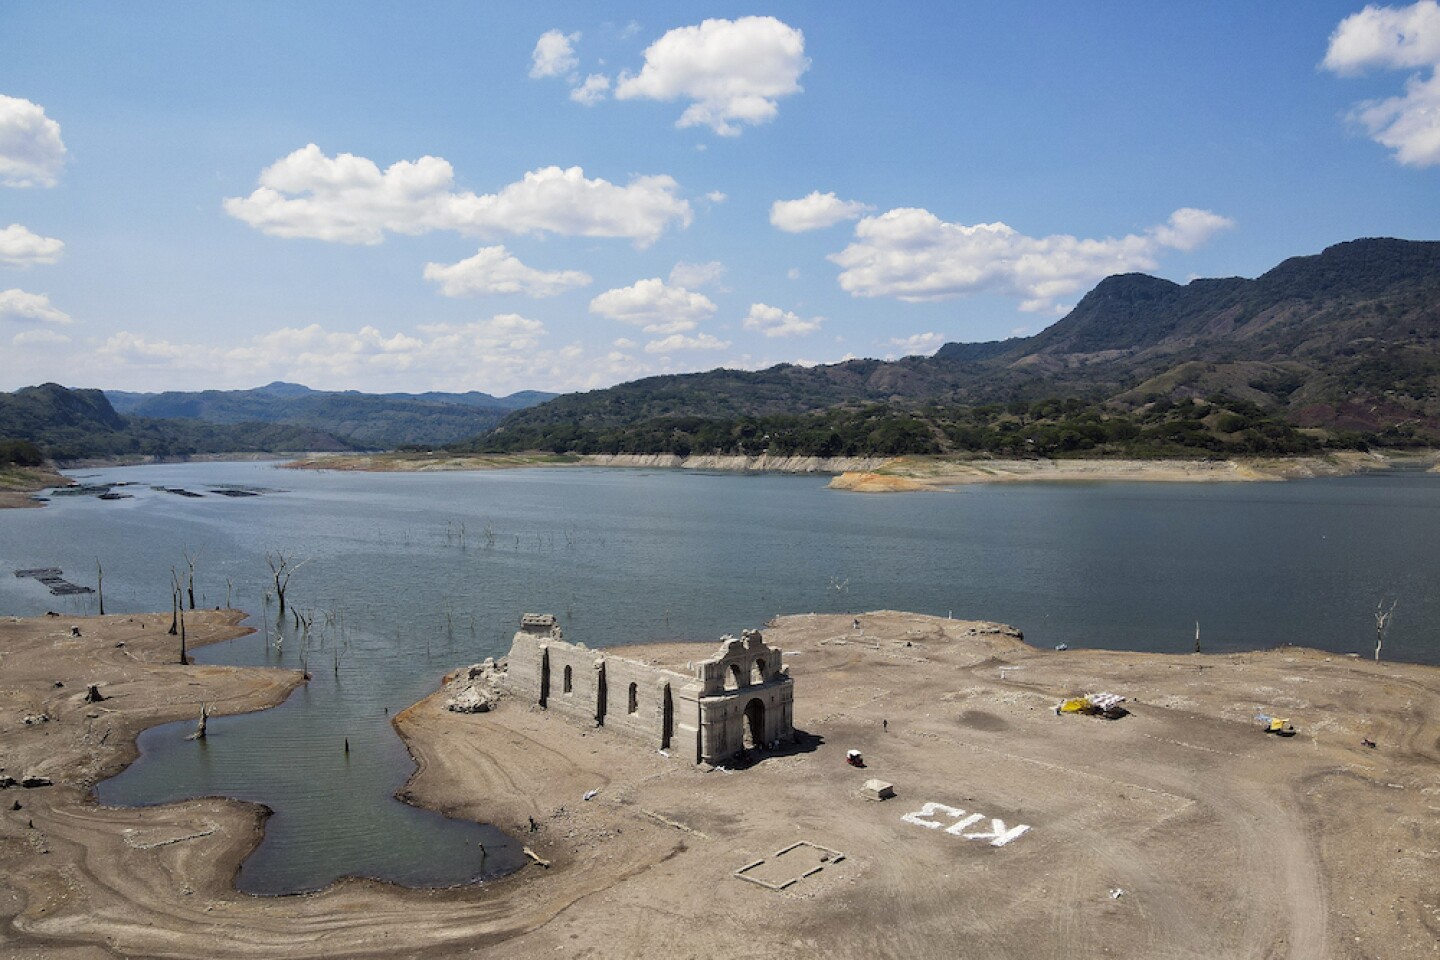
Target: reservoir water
[406,576]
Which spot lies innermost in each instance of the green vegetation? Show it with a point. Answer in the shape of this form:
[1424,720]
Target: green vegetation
[1051,427]
[1345,343]
[368,421]
[67,425]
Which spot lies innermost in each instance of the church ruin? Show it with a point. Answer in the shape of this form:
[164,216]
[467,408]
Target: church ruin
[740,698]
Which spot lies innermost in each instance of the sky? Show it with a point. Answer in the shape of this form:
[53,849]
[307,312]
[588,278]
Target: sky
[548,196]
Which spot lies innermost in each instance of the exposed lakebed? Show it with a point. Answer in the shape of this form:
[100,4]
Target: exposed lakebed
[409,575]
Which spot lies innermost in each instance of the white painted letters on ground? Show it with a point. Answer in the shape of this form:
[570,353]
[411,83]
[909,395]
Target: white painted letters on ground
[998,834]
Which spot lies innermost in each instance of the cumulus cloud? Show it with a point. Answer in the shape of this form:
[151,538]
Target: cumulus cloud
[692,275]
[1395,38]
[913,255]
[717,196]
[500,352]
[39,336]
[18,305]
[497,270]
[31,151]
[21,248]
[349,199]
[732,71]
[554,54]
[591,90]
[919,344]
[678,341]
[815,212]
[774,322]
[655,307]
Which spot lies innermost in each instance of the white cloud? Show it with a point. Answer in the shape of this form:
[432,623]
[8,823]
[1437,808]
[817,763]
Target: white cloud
[592,90]
[815,212]
[1395,38]
[497,270]
[919,344]
[554,54]
[717,196]
[678,341]
[40,336]
[501,352]
[655,307]
[348,199]
[690,275]
[913,255]
[732,70]
[21,248]
[793,273]
[774,322]
[31,151]
[16,304]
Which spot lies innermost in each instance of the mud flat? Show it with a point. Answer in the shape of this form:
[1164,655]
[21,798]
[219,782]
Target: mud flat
[905,474]
[1178,831]
[19,484]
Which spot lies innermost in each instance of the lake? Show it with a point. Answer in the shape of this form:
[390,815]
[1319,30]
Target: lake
[406,576]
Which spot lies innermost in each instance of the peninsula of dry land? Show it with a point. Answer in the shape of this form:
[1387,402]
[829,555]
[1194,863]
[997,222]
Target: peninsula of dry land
[898,474]
[1178,831]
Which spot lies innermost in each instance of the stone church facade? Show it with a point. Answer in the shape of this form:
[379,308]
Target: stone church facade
[740,698]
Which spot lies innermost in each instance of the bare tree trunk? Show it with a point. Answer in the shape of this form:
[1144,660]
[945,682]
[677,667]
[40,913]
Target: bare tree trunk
[1382,624]
[190,575]
[199,733]
[100,584]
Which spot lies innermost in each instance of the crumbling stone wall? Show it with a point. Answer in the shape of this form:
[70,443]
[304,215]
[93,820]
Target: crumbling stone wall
[742,697]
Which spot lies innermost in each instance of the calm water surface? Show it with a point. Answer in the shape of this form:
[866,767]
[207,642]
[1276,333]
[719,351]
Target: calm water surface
[407,576]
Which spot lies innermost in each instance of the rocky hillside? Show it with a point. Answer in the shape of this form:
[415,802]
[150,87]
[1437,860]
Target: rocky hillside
[1345,342]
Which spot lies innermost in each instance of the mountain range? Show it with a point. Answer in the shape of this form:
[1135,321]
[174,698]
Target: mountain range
[1340,348]
[1344,342]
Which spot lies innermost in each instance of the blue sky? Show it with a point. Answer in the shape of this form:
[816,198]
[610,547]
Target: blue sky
[207,195]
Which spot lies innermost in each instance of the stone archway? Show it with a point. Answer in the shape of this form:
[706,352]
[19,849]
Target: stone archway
[754,724]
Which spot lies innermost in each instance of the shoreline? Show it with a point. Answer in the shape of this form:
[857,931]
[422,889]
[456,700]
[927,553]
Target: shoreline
[906,474]
[648,864]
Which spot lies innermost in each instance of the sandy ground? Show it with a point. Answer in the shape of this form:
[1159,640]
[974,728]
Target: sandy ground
[906,474]
[18,483]
[1179,831]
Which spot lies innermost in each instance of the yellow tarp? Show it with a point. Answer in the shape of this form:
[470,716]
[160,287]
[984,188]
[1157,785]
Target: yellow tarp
[1276,724]
[1074,704]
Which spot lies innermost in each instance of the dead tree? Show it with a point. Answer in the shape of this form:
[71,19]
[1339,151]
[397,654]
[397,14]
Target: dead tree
[1382,623]
[190,574]
[100,584]
[282,568]
[178,607]
[199,733]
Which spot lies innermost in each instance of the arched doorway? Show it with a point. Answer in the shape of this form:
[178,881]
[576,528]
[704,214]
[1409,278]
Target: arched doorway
[544,677]
[754,732]
[568,687]
[667,719]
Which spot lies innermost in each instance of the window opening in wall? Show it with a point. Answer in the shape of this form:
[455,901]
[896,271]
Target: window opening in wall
[568,688]
[758,674]
[737,679]
[667,723]
[634,698]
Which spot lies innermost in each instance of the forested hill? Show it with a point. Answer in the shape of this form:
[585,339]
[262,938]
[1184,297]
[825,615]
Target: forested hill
[66,424]
[1344,344]
[375,421]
